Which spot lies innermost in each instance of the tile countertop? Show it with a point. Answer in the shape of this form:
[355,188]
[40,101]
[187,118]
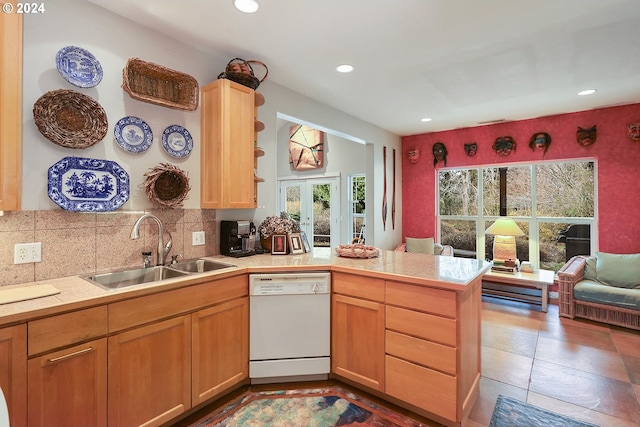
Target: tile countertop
[75,293]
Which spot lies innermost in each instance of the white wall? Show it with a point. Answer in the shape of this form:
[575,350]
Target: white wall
[342,157]
[114,39]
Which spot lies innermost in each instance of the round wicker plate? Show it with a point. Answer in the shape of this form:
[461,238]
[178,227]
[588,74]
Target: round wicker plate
[70,119]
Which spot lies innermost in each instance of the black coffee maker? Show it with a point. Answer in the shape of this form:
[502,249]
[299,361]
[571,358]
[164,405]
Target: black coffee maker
[237,238]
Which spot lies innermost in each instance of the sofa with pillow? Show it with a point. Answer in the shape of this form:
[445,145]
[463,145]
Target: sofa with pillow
[424,246]
[604,288]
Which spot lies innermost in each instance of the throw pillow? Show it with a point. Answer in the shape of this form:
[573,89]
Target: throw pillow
[620,270]
[419,245]
[590,272]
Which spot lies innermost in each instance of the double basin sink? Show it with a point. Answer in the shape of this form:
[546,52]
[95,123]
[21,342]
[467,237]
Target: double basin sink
[117,279]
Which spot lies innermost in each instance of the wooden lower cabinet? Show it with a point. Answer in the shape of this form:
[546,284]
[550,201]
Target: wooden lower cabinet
[357,340]
[425,388]
[150,373]
[13,372]
[220,349]
[69,387]
[432,348]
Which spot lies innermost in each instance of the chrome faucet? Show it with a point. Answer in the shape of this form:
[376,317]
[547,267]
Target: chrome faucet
[163,249]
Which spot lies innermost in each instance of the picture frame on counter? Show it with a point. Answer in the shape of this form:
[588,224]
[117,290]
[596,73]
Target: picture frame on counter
[305,241]
[295,244]
[279,244]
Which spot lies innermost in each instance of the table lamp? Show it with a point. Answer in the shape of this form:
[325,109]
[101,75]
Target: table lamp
[504,231]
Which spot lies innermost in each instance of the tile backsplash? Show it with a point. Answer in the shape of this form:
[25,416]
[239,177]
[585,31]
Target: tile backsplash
[75,243]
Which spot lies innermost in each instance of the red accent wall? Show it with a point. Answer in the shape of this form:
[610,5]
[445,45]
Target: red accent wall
[618,163]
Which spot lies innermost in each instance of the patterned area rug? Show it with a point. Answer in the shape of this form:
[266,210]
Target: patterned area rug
[510,412]
[320,407]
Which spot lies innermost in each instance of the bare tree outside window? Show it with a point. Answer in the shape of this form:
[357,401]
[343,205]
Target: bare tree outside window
[543,198]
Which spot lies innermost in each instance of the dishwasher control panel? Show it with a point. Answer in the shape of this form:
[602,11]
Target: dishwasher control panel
[289,284]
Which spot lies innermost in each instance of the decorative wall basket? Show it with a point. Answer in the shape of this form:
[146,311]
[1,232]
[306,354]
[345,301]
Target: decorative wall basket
[240,71]
[70,119]
[166,186]
[153,83]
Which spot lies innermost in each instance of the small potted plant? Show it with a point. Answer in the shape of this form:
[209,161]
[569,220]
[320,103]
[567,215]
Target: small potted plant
[276,224]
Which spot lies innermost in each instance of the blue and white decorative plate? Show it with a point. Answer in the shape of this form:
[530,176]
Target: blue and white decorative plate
[78,66]
[88,185]
[133,134]
[177,141]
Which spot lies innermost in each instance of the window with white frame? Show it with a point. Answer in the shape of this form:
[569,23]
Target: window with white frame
[544,199]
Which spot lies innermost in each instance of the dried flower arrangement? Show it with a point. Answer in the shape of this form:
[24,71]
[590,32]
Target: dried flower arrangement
[282,224]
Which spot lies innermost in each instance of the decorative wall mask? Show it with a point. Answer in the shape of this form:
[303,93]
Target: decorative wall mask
[586,137]
[471,149]
[413,155]
[439,153]
[540,141]
[306,146]
[633,131]
[504,145]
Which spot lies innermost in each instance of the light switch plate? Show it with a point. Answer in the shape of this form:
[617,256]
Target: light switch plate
[197,238]
[24,253]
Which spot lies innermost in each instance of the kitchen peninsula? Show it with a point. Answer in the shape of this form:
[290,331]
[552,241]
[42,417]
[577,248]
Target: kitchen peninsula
[419,315]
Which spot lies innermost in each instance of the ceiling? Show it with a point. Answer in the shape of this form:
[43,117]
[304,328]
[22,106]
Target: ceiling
[460,62]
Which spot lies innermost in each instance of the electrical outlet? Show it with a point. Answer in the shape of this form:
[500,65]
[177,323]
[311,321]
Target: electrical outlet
[24,253]
[198,238]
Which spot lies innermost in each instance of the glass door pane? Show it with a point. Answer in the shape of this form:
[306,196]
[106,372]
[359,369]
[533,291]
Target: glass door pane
[321,218]
[315,203]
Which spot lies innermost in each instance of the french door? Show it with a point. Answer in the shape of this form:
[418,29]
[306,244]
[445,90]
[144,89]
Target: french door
[315,203]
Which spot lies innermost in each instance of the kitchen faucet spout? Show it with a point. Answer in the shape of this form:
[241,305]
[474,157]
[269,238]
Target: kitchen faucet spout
[163,248]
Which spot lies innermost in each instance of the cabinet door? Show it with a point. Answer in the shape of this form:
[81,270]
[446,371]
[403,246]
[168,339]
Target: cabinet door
[11,108]
[357,340]
[150,373]
[69,387]
[13,372]
[220,348]
[227,146]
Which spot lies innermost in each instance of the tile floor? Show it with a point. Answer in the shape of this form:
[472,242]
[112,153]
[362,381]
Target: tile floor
[586,370]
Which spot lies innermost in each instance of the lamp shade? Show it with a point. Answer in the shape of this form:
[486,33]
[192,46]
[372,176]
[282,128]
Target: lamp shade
[505,227]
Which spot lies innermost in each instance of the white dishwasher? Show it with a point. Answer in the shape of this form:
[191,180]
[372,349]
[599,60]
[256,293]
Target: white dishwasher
[289,326]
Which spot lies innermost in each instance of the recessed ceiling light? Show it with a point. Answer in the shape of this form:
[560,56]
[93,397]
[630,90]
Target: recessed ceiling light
[587,92]
[344,68]
[246,6]
[426,119]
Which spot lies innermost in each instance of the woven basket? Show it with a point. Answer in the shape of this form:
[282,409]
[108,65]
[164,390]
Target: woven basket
[155,84]
[70,119]
[240,71]
[166,186]
[357,251]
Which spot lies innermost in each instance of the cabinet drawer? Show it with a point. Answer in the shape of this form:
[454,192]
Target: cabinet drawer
[437,301]
[66,329]
[422,325]
[427,353]
[138,311]
[358,286]
[422,387]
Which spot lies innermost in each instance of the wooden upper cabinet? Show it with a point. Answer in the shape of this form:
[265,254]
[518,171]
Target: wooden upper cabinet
[10,109]
[227,135]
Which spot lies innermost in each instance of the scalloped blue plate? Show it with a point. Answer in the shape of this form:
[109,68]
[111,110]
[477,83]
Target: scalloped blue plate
[177,141]
[78,66]
[88,185]
[133,134]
